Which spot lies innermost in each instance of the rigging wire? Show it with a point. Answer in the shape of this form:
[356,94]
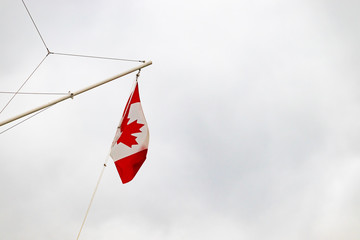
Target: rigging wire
[98,57]
[42,39]
[7,129]
[34,93]
[23,83]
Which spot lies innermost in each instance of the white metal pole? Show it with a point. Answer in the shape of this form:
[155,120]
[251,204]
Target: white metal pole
[71,95]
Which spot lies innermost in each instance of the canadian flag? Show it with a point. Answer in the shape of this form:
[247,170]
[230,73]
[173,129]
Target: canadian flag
[131,140]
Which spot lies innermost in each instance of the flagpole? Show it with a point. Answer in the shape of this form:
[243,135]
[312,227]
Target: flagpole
[72,95]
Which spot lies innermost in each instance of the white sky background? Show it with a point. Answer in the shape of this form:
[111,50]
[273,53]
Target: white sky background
[253,109]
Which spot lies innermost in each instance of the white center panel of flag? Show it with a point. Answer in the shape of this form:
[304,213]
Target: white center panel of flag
[142,138]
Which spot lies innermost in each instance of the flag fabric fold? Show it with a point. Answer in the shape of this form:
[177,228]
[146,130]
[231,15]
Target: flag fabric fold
[130,144]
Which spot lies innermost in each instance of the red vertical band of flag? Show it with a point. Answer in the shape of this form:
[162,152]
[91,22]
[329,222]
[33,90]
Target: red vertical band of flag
[130,165]
[131,140]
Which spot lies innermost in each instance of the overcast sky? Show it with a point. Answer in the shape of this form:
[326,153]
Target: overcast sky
[253,109]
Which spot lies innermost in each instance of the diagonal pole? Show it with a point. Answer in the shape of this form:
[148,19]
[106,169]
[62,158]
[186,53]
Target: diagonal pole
[72,95]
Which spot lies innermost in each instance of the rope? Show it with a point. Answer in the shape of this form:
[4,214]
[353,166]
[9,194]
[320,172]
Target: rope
[42,39]
[23,120]
[98,57]
[23,83]
[93,195]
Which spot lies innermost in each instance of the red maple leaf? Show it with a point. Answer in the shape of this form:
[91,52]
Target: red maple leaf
[127,130]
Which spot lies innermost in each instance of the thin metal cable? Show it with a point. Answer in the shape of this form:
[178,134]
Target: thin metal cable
[33,93]
[93,195]
[42,39]
[23,120]
[23,84]
[98,57]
